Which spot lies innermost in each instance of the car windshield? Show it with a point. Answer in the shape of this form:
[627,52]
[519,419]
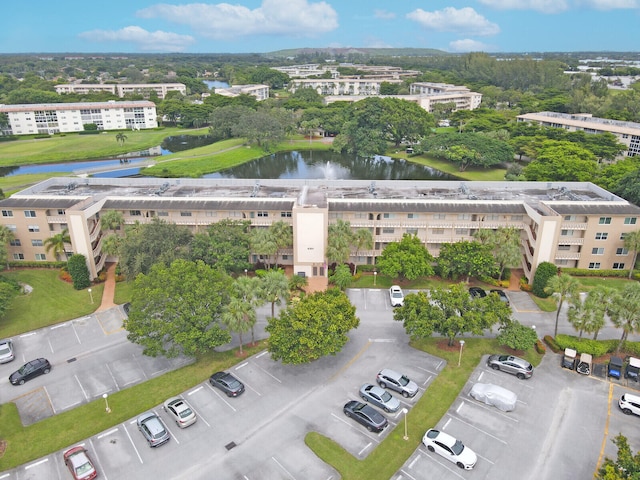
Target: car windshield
[24,369]
[404,381]
[232,382]
[386,396]
[458,447]
[4,349]
[84,468]
[185,413]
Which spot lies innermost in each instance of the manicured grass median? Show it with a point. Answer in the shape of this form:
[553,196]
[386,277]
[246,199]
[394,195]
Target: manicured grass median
[390,455]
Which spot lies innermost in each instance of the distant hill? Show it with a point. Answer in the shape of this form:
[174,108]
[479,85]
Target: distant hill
[371,52]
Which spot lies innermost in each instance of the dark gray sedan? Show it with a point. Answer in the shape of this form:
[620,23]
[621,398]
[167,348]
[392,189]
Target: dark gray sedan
[365,415]
[227,383]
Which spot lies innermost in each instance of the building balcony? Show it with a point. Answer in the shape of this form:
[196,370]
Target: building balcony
[573,226]
[57,219]
[570,241]
[567,256]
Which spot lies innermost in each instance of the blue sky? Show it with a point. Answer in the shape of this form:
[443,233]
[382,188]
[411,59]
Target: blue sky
[143,26]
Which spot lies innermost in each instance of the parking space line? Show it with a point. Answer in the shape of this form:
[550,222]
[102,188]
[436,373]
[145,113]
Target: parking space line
[482,431]
[132,444]
[76,332]
[69,406]
[105,434]
[195,390]
[435,459]
[242,365]
[27,334]
[350,425]
[36,463]
[58,326]
[86,397]
[606,429]
[153,374]
[220,397]
[495,411]
[140,366]
[50,402]
[112,377]
[96,456]
[50,346]
[282,467]
[261,354]
[350,362]
[198,414]
[275,378]
[5,475]
[405,473]
[446,424]
[485,458]
[364,449]
[497,373]
[173,435]
[429,371]
[480,376]
[427,380]
[135,380]
[250,387]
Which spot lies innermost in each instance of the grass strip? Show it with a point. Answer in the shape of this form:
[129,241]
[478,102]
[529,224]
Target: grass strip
[25,444]
[394,451]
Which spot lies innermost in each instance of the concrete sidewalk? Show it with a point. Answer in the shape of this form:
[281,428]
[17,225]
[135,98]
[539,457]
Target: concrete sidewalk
[109,291]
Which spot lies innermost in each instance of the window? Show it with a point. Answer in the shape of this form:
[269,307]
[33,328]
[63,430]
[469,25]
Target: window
[630,220]
[412,231]
[388,230]
[7,213]
[288,215]
[462,231]
[622,251]
[388,215]
[18,256]
[601,235]
[263,214]
[13,228]
[517,218]
[437,231]
[41,256]
[211,214]
[618,266]
[594,266]
[439,216]
[15,243]
[597,251]
[34,228]
[562,262]
[564,247]
[163,214]
[623,235]
[61,211]
[605,221]
[492,217]
[464,216]
[185,214]
[570,218]
[566,233]
[332,214]
[135,213]
[36,243]
[285,257]
[30,213]
[412,215]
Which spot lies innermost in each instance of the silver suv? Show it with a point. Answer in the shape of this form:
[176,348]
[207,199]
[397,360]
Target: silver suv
[388,378]
[510,364]
[153,430]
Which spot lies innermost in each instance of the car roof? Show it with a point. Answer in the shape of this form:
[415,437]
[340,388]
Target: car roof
[445,438]
[631,397]
[634,362]
[396,288]
[387,372]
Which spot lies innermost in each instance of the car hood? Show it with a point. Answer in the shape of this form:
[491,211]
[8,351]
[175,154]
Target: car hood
[468,456]
[411,387]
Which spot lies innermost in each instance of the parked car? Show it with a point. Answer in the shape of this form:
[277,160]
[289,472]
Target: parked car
[494,395]
[30,370]
[629,404]
[614,369]
[379,397]
[501,295]
[569,359]
[227,383]
[365,415]
[6,351]
[453,450]
[153,430]
[510,364]
[396,296]
[79,463]
[632,369]
[180,411]
[477,292]
[388,378]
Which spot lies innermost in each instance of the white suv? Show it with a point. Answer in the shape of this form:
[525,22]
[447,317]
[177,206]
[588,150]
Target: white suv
[396,296]
[629,404]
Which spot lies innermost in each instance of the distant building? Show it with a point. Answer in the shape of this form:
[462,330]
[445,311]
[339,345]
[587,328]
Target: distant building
[122,89]
[342,85]
[627,133]
[261,92]
[52,118]
[369,71]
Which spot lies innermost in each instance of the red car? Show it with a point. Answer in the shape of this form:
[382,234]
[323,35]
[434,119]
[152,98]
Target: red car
[79,464]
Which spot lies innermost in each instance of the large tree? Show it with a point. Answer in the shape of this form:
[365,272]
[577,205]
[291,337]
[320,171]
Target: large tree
[564,288]
[274,289]
[407,258]
[176,309]
[468,149]
[562,162]
[6,236]
[625,311]
[225,245]
[56,243]
[239,316]
[450,312]
[111,220]
[505,246]
[466,259]
[311,328]
[517,336]
[626,466]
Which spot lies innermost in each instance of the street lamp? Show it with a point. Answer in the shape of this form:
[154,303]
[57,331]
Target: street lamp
[375,275]
[106,402]
[460,357]
[90,295]
[406,433]
[245,272]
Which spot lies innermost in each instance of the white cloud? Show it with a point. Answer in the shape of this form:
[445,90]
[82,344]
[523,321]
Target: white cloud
[383,14]
[543,6]
[225,21]
[468,45]
[610,4]
[157,41]
[464,20]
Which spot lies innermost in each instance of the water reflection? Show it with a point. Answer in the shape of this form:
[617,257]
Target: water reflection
[179,143]
[332,166]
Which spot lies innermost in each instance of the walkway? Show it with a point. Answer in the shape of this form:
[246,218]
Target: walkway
[109,289]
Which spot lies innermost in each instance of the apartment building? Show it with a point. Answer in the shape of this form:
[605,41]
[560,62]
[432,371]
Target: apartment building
[52,118]
[570,224]
[122,89]
[342,85]
[317,70]
[261,92]
[627,133]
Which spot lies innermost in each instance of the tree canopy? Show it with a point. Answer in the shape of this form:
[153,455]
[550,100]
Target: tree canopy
[407,258]
[626,466]
[466,259]
[311,328]
[176,309]
[225,245]
[468,149]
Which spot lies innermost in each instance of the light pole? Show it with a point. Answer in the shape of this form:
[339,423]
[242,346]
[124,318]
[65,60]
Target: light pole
[90,295]
[406,432]
[375,275]
[460,357]
[245,272]
[106,402]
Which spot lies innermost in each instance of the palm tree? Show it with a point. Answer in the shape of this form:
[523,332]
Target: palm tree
[56,243]
[282,234]
[362,239]
[263,243]
[340,239]
[247,289]
[239,316]
[625,311]
[274,288]
[632,242]
[121,138]
[111,220]
[6,236]
[562,287]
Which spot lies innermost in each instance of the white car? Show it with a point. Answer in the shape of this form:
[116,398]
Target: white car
[396,296]
[629,404]
[453,450]
[494,395]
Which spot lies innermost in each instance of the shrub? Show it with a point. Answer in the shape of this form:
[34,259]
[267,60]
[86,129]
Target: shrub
[34,264]
[544,272]
[77,266]
[630,348]
[597,348]
[540,348]
[548,339]
[102,276]
[64,275]
[583,272]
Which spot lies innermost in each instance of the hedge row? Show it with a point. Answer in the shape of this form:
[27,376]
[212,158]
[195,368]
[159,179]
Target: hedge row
[597,348]
[583,272]
[26,264]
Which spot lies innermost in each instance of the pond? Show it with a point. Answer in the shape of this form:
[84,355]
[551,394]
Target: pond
[331,166]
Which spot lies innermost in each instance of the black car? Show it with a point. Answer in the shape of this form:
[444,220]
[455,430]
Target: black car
[501,295]
[365,415]
[477,292]
[30,370]
[227,383]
